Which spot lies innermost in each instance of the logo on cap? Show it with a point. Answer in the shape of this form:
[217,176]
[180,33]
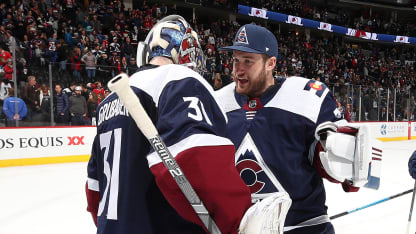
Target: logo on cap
[242,36]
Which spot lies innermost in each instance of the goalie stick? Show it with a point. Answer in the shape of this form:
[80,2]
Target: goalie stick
[120,85]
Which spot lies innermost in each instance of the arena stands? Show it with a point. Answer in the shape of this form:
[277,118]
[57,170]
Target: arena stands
[85,45]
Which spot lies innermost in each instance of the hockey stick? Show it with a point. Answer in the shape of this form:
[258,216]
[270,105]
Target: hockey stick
[371,204]
[120,85]
[411,209]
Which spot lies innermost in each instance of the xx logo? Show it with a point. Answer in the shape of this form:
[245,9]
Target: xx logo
[76,140]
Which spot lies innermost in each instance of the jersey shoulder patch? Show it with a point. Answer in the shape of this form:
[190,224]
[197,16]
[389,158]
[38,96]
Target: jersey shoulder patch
[300,96]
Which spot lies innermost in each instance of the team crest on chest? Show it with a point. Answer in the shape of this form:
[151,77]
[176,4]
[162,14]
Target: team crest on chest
[253,170]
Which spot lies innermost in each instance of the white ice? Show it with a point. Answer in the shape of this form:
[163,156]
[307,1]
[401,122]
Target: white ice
[50,199]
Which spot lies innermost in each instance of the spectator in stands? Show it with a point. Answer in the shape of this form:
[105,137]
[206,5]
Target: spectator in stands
[132,66]
[104,68]
[384,115]
[8,69]
[76,64]
[99,91]
[61,105]
[5,85]
[30,95]
[77,107]
[14,108]
[4,55]
[90,65]
[45,103]
[92,104]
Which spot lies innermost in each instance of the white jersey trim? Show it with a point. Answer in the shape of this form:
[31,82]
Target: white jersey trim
[195,140]
[293,98]
[153,81]
[93,185]
[226,95]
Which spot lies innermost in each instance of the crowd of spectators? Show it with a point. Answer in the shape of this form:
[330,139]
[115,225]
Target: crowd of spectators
[376,20]
[87,45]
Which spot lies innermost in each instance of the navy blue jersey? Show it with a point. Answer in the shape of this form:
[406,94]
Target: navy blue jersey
[274,138]
[137,193]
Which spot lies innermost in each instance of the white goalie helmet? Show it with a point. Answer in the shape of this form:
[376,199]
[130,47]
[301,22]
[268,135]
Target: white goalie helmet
[172,37]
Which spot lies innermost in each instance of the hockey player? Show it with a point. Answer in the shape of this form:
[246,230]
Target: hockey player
[129,190]
[288,133]
[412,165]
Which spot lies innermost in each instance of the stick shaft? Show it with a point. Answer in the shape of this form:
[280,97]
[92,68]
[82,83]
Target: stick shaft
[411,204]
[371,204]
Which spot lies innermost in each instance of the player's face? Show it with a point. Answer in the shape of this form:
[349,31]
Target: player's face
[249,73]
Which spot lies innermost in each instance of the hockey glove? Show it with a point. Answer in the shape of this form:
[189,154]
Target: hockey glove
[345,155]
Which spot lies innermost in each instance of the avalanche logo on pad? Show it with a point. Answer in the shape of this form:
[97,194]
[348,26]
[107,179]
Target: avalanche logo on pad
[242,36]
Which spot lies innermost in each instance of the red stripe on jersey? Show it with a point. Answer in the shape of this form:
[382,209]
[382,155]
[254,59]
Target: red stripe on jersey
[211,172]
[93,200]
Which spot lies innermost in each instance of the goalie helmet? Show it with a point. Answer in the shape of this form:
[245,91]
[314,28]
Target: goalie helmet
[172,37]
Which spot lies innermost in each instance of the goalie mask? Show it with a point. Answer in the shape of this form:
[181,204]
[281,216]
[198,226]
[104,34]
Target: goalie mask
[172,37]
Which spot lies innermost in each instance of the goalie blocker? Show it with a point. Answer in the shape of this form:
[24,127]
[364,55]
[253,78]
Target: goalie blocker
[347,154]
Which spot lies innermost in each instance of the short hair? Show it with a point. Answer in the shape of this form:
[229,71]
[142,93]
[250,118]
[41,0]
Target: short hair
[30,78]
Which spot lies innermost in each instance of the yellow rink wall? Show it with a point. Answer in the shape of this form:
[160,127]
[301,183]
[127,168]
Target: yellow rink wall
[46,145]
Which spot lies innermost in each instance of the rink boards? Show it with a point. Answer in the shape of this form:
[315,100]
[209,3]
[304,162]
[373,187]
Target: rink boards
[44,145]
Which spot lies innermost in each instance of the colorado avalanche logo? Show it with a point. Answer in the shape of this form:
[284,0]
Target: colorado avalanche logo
[242,36]
[254,172]
[249,169]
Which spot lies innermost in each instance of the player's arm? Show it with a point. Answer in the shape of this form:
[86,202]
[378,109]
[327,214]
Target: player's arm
[344,152]
[191,124]
[92,185]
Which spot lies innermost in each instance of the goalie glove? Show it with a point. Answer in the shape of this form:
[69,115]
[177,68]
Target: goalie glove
[346,155]
[266,216]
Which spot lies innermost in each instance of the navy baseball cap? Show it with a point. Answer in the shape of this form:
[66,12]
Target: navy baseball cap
[252,38]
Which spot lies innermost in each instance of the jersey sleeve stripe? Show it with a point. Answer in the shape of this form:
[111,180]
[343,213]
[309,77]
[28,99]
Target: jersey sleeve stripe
[93,185]
[192,141]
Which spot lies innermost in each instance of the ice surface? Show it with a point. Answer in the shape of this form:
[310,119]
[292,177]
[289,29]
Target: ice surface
[50,199]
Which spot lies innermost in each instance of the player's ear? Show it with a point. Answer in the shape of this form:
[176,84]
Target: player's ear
[270,63]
